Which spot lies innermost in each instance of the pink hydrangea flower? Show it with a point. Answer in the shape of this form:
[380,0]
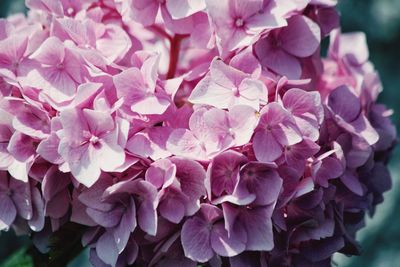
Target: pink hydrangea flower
[226,86]
[89,144]
[180,132]
[240,23]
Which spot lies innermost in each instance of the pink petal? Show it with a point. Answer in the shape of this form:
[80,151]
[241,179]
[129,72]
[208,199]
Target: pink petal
[21,147]
[144,12]
[74,126]
[182,142]
[243,120]
[51,52]
[85,170]
[48,149]
[209,92]
[114,44]
[151,105]
[184,8]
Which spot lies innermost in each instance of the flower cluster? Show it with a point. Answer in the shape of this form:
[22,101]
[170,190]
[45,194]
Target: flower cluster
[182,132]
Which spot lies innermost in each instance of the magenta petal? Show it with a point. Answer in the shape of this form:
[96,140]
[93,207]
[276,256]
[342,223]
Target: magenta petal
[34,123]
[144,12]
[362,127]
[21,147]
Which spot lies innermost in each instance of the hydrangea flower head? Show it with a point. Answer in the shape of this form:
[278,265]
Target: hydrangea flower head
[187,132]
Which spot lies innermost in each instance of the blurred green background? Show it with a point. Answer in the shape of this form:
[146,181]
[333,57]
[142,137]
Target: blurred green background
[380,20]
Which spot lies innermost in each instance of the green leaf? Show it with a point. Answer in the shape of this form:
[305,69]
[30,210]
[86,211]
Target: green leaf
[19,259]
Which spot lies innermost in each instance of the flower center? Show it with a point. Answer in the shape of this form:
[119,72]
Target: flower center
[239,22]
[9,192]
[236,92]
[276,42]
[15,65]
[94,139]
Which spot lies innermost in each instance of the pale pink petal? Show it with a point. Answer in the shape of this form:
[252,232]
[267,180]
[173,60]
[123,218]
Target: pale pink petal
[182,142]
[184,8]
[99,122]
[51,52]
[208,92]
[84,169]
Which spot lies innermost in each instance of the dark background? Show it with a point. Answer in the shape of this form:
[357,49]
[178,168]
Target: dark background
[380,20]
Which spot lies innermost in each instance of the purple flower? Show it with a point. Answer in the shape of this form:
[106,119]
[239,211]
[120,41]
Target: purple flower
[283,50]
[240,23]
[204,234]
[346,110]
[276,129]
[15,200]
